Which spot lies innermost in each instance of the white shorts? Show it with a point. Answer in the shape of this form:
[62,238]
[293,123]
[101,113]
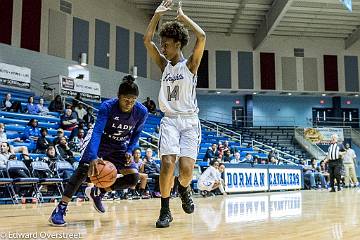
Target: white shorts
[180,136]
[206,185]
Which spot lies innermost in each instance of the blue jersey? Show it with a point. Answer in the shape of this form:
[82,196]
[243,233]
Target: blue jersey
[115,133]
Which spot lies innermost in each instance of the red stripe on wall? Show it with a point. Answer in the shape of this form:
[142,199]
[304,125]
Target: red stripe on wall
[267,70]
[30,24]
[331,73]
[6,12]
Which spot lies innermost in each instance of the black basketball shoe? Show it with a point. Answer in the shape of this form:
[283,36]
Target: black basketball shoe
[165,218]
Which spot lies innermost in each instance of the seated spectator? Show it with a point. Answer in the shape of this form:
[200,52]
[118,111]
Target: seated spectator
[309,176]
[3,136]
[51,158]
[68,120]
[272,154]
[63,150]
[81,112]
[43,110]
[247,159]
[152,170]
[5,156]
[89,116]
[236,158]
[43,142]
[324,171]
[210,180]
[32,131]
[317,173]
[19,149]
[76,100]
[155,134]
[56,105]
[78,141]
[75,131]
[59,134]
[31,108]
[143,177]
[273,161]
[226,157]
[211,154]
[221,150]
[10,106]
[150,105]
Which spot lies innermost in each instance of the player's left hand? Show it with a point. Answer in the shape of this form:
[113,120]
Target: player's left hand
[180,13]
[128,158]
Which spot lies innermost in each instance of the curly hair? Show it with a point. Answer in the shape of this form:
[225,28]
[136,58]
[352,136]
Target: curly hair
[176,31]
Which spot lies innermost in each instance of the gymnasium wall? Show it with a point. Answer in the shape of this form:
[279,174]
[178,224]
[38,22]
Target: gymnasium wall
[43,65]
[233,64]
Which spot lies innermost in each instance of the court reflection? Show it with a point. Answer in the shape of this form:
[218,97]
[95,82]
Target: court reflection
[263,208]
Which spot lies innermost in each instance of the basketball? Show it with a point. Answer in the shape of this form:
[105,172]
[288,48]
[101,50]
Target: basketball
[107,175]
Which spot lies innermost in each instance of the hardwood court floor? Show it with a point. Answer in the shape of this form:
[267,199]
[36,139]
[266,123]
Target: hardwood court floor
[279,215]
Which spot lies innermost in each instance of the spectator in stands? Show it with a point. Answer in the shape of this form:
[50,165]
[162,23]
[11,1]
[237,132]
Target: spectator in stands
[43,110]
[247,159]
[226,157]
[89,116]
[59,134]
[156,134]
[236,158]
[56,105]
[78,141]
[10,106]
[63,150]
[3,136]
[31,108]
[324,170]
[226,146]
[75,131]
[319,177]
[349,161]
[152,170]
[143,176]
[43,142]
[81,112]
[272,156]
[5,156]
[76,100]
[210,180]
[150,105]
[211,154]
[221,150]
[68,120]
[32,131]
[309,176]
[51,158]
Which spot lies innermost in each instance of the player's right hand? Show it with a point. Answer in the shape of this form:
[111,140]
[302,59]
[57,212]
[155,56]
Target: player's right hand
[93,171]
[163,7]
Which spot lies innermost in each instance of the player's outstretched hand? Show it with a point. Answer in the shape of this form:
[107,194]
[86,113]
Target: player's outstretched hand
[180,13]
[93,171]
[163,7]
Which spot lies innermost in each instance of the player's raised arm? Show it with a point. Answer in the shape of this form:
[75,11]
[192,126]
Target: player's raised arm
[154,52]
[194,60]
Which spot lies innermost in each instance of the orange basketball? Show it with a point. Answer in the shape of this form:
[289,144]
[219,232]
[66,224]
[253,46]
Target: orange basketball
[107,175]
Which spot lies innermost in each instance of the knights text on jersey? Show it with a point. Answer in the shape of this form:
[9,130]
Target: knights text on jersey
[115,132]
[178,90]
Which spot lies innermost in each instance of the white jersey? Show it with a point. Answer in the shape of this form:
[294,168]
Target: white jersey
[211,174]
[178,90]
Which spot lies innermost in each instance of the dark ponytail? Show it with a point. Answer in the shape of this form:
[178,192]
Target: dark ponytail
[128,87]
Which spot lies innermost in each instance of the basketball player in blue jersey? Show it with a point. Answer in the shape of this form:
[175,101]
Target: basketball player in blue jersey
[180,131]
[113,138]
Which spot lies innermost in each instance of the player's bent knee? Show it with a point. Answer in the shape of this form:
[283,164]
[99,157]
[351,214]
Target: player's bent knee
[126,181]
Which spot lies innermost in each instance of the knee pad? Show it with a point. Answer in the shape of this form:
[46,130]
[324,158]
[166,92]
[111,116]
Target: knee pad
[78,177]
[126,181]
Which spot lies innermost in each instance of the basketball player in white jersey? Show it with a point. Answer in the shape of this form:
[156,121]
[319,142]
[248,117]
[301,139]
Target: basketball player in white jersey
[180,132]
